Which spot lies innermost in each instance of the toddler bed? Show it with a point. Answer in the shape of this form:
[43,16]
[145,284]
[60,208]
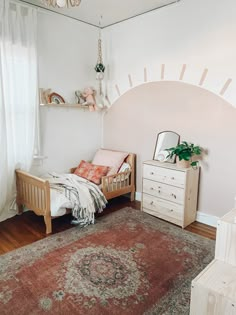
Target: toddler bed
[36,194]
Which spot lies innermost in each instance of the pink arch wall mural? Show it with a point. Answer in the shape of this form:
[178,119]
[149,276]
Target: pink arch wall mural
[218,84]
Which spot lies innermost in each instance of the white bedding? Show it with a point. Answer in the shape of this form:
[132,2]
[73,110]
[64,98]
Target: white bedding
[84,202]
[59,203]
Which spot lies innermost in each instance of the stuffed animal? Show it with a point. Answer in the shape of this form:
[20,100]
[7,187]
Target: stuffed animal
[79,98]
[89,95]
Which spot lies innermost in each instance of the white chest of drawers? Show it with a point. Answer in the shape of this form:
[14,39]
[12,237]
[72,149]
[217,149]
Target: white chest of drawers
[170,193]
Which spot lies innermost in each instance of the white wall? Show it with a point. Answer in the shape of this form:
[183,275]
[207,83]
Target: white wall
[199,116]
[67,53]
[198,33]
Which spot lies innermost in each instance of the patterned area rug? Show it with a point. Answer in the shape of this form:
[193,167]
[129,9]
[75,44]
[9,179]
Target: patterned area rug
[127,263]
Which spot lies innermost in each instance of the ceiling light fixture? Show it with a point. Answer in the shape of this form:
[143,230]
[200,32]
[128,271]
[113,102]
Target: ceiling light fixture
[61,3]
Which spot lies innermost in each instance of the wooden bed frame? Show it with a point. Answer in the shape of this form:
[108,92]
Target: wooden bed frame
[34,192]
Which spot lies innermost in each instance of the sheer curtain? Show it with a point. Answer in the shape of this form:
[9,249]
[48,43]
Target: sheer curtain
[18,96]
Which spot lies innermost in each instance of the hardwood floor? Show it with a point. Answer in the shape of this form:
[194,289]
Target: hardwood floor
[27,228]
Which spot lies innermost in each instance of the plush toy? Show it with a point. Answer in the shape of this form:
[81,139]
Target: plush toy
[79,98]
[89,95]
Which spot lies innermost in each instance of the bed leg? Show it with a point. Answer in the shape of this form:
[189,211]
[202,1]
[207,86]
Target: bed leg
[132,194]
[20,208]
[48,223]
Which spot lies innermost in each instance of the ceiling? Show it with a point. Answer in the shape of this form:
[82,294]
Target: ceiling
[112,11]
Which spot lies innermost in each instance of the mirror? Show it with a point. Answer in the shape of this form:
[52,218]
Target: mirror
[165,140]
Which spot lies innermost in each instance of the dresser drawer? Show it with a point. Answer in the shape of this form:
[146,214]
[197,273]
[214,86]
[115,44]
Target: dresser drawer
[164,191]
[164,175]
[164,217]
[163,209]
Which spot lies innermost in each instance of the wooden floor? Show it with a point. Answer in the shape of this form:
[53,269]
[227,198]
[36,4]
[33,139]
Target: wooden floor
[27,228]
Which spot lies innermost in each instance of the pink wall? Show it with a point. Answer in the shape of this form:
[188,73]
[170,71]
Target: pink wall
[197,115]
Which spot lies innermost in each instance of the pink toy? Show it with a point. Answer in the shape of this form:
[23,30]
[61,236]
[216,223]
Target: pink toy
[89,96]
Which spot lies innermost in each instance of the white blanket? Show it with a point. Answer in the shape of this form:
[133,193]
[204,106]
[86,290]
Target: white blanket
[72,191]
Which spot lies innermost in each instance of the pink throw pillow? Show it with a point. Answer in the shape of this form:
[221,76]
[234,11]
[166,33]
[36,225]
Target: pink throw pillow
[91,172]
[110,158]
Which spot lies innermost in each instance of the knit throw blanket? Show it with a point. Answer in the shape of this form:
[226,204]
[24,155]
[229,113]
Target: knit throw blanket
[86,196]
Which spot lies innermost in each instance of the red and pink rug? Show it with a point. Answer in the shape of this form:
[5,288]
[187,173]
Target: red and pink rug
[128,263]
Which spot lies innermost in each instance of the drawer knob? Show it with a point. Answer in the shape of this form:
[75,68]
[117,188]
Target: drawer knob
[151,203]
[172,178]
[173,195]
[171,210]
[151,173]
[151,188]
[159,191]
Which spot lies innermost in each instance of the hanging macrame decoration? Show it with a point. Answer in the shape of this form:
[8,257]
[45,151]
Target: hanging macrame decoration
[99,68]
[101,99]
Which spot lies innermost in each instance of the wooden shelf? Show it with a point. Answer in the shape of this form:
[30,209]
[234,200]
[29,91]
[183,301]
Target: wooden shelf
[66,105]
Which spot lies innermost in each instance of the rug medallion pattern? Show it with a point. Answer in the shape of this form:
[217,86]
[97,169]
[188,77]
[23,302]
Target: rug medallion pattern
[128,263]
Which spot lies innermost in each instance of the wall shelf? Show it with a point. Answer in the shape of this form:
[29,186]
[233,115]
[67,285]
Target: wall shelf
[65,105]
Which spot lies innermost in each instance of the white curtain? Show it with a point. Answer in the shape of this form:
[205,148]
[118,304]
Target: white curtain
[18,96]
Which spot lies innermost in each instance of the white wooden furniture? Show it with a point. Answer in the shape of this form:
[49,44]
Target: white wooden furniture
[226,238]
[214,289]
[170,193]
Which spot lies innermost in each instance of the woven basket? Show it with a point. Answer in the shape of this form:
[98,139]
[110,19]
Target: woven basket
[182,163]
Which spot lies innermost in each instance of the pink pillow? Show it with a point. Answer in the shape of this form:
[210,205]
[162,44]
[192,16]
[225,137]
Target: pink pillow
[114,159]
[91,172]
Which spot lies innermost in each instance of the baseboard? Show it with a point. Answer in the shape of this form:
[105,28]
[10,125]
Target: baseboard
[201,216]
[138,196]
[205,218]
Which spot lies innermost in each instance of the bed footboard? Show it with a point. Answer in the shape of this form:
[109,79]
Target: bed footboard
[34,193]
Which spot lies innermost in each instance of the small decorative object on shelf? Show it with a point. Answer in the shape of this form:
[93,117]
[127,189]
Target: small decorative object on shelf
[184,152]
[56,98]
[46,96]
[88,95]
[78,97]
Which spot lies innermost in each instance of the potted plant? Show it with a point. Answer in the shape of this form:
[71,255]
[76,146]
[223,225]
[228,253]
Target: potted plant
[184,152]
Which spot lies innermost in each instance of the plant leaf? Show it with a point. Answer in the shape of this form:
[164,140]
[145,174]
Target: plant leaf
[195,163]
